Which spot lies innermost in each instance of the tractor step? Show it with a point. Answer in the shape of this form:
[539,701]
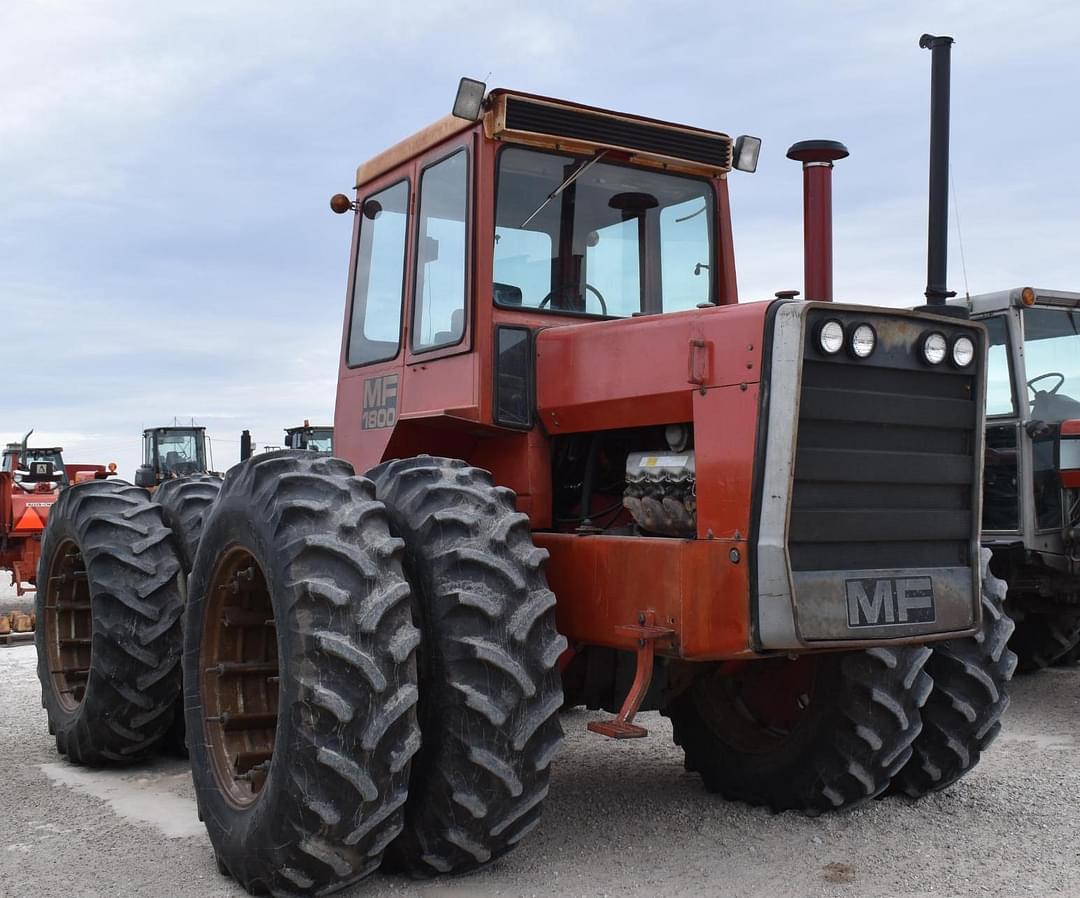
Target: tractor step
[648,635]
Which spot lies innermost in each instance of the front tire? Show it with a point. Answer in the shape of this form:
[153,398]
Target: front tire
[108,612]
[299,676]
[820,733]
[490,688]
[962,716]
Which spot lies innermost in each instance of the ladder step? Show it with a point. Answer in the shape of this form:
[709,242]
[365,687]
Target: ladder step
[242,617]
[232,721]
[242,668]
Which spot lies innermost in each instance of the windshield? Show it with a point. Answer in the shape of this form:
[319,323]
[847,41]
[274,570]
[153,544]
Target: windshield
[316,439]
[179,452]
[588,236]
[52,456]
[1052,362]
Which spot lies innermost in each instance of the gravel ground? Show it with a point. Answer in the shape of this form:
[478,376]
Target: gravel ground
[622,819]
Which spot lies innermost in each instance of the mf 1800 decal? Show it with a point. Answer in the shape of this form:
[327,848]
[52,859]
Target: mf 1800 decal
[890,600]
[380,402]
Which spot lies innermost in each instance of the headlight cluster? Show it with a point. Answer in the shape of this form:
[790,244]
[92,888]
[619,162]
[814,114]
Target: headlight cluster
[936,348]
[860,340]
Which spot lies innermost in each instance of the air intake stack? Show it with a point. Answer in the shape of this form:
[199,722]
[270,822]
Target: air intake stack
[817,158]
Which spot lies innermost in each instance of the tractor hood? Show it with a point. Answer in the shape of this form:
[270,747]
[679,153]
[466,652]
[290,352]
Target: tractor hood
[641,371]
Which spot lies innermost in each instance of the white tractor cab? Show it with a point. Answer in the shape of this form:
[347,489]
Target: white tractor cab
[313,438]
[1031,499]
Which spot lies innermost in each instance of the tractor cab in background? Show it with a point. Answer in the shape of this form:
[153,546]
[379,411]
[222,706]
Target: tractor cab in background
[171,452]
[1031,503]
[314,439]
[32,467]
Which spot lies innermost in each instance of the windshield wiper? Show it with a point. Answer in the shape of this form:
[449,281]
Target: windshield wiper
[580,170]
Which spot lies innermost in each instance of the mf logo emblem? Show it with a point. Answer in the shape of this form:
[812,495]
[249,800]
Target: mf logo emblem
[889,600]
[380,402]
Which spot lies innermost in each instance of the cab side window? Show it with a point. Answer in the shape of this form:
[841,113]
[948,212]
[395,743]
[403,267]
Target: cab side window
[439,284]
[378,291]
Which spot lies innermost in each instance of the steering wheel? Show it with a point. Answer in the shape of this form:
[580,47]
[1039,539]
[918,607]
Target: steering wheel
[599,296]
[1061,380]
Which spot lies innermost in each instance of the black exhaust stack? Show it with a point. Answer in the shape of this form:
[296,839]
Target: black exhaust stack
[245,445]
[938,227]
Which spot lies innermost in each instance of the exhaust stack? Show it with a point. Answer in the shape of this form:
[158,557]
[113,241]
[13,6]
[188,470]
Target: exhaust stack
[938,224]
[245,445]
[817,157]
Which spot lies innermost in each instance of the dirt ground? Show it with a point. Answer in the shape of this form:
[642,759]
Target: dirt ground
[622,819]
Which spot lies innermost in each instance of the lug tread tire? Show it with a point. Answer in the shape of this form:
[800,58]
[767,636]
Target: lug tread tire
[963,713]
[1042,638]
[490,686]
[184,503]
[136,603]
[335,793]
[855,741]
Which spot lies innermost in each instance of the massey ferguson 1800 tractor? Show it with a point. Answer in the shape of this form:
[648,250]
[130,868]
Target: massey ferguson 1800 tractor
[591,477]
[1031,498]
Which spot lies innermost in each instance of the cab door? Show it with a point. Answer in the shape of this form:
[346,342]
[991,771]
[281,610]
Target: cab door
[372,353]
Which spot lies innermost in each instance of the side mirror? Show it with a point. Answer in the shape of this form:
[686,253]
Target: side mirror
[506,294]
[144,477]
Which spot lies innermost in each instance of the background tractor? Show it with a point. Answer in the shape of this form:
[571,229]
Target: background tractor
[30,481]
[1031,498]
[592,478]
[171,452]
[315,439]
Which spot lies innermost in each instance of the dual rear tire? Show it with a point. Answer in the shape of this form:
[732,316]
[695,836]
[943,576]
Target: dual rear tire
[408,634]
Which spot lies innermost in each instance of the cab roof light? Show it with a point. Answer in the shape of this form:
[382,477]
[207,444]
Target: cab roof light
[469,102]
[1027,296]
[747,150]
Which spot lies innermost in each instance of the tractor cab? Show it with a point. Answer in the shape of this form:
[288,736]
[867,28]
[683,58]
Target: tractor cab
[1031,504]
[315,439]
[171,452]
[34,468]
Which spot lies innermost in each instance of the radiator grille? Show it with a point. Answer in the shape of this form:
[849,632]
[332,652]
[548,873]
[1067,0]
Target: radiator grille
[597,127]
[884,467]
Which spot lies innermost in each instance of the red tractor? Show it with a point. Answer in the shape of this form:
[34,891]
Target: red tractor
[30,481]
[592,477]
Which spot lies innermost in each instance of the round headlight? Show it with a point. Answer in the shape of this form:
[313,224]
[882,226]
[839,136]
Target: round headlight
[863,341]
[831,337]
[963,351]
[934,348]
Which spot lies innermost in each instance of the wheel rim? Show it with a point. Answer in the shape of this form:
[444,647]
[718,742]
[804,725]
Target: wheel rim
[68,625]
[761,706]
[239,676]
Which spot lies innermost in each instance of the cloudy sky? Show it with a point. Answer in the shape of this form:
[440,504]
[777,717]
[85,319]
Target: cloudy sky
[166,249]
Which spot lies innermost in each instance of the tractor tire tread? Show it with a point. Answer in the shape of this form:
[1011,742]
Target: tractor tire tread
[136,606]
[963,713]
[490,687]
[332,805]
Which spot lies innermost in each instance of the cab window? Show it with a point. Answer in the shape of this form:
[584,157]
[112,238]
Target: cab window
[375,330]
[999,391]
[439,284]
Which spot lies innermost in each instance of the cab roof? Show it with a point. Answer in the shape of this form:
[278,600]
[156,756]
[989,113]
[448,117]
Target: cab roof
[573,127]
[1000,300]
